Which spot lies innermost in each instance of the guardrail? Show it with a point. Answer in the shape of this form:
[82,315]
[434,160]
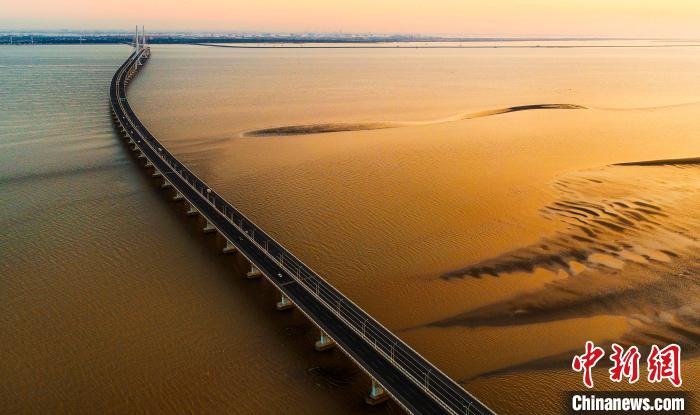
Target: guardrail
[452,397]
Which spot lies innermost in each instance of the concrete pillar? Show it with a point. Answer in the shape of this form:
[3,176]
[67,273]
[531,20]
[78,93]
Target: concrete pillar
[229,248]
[284,303]
[141,155]
[192,211]
[208,228]
[253,273]
[324,342]
[148,164]
[166,184]
[178,196]
[156,173]
[377,394]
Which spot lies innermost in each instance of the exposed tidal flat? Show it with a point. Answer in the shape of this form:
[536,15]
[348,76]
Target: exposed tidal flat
[495,241]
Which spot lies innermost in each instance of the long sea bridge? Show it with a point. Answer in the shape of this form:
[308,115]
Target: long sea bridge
[396,370]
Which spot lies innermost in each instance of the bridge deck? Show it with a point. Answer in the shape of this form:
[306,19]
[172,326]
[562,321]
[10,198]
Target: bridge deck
[409,378]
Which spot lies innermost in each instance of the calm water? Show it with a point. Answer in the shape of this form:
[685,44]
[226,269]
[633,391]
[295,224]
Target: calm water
[495,245]
[110,299]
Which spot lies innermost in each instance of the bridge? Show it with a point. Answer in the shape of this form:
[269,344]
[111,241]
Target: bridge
[396,370]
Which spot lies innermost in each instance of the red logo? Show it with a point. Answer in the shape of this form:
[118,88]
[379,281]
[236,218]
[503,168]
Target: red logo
[587,361]
[662,364]
[625,364]
[665,364]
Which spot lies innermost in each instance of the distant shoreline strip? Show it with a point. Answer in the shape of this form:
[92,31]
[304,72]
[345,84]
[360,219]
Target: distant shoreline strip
[358,45]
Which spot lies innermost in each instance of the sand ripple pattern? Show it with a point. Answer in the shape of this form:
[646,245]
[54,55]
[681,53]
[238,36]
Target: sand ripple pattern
[628,247]
[307,129]
[609,219]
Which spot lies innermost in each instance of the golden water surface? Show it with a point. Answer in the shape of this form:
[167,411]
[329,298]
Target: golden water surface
[469,199]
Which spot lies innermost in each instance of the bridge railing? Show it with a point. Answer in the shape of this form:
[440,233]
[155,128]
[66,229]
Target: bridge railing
[430,379]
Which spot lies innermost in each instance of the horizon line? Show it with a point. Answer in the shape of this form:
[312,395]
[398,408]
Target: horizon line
[338,34]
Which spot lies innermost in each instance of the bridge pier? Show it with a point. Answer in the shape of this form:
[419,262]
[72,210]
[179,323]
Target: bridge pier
[178,196]
[284,303]
[395,373]
[192,211]
[229,248]
[157,173]
[209,228]
[324,343]
[377,394]
[141,155]
[254,272]
[148,164]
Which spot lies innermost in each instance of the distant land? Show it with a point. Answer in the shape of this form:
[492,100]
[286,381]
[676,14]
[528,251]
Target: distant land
[73,38]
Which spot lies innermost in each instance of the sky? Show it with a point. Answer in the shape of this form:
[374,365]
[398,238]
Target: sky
[596,18]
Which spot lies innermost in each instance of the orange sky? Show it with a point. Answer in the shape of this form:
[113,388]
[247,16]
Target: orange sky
[644,18]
